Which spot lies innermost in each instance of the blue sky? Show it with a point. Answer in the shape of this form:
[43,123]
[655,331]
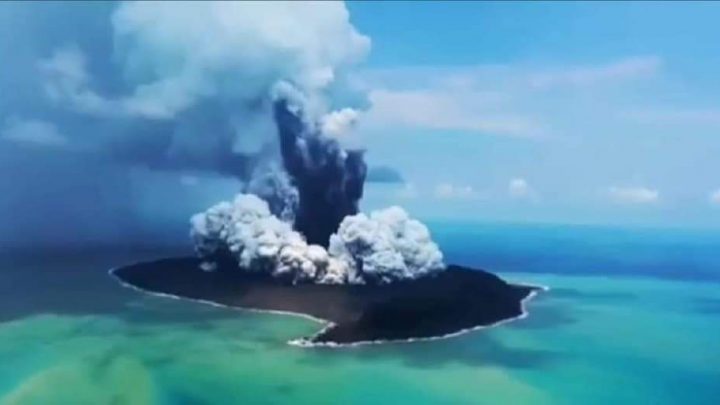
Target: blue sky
[562,112]
[597,112]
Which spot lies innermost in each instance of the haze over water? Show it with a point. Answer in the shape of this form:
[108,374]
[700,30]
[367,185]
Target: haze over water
[630,318]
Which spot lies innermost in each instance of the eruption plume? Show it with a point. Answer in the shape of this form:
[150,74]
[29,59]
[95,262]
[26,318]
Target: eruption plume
[257,90]
[254,90]
[196,82]
[384,247]
[260,242]
[329,179]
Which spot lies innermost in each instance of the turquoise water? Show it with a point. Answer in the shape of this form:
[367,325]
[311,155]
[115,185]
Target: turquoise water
[637,323]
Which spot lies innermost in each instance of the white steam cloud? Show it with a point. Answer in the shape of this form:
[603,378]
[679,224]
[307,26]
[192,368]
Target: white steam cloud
[232,48]
[338,123]
[245,84]
[260,242]
[386,246]
[381,248]
[273,184]
[211,72]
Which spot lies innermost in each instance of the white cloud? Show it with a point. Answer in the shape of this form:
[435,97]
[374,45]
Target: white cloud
[633,195]
[715,197]
[240,48]
[32,131]
[519,188]
[497,76]
[443,110]
[338,123]
[177,54]
[505,100]
[448,191]
[630,68]
[66,81]
[67,62]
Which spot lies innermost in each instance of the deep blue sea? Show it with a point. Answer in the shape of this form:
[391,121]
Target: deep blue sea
[676,254]
[632,316]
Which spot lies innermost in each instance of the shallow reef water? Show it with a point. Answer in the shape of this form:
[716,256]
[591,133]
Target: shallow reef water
[71,334]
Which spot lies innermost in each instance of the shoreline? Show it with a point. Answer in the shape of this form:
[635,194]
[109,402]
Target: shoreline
[307,342]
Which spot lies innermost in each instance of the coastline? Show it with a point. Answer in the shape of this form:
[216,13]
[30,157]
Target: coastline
[307,342]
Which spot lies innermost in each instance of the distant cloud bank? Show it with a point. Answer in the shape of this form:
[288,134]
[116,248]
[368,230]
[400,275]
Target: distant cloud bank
[448,191]
[633,195]
[629,68]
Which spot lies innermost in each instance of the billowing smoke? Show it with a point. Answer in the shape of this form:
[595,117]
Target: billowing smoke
[272,183]
[269,68]
[329,179]
[298,217]
[195,83]
[382,248]
[338,123]
[257,90]
[260,242]
[386,246]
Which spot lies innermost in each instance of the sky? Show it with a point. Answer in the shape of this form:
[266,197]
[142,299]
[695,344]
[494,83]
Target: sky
[597,112]
[582,113]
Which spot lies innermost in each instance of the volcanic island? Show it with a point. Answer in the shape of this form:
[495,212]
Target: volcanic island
[294,241]
[456,300]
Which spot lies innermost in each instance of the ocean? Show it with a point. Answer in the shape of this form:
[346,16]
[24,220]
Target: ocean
[632,316]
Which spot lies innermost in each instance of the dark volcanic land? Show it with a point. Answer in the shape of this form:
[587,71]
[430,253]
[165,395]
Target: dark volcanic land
[454,300]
